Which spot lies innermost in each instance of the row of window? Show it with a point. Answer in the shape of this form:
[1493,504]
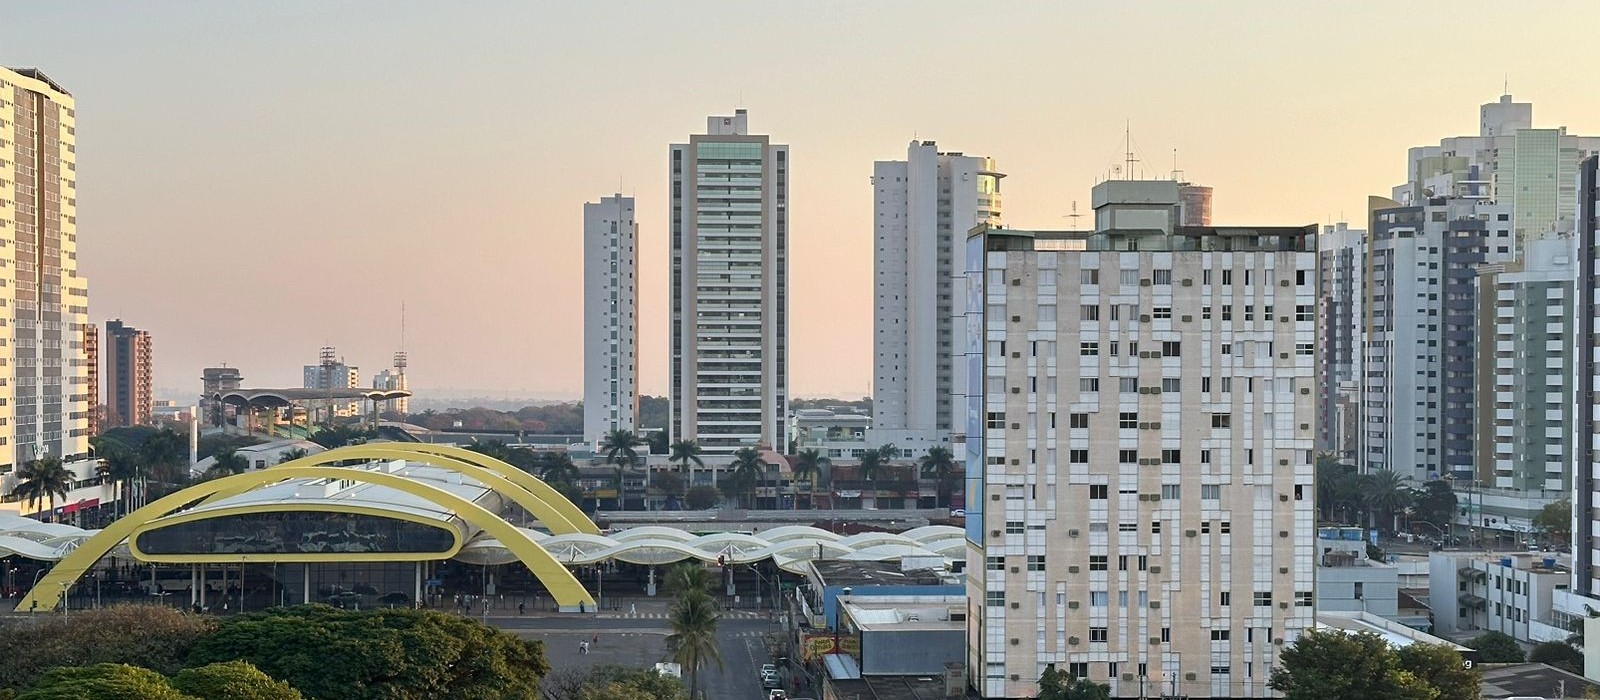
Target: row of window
[1131,277]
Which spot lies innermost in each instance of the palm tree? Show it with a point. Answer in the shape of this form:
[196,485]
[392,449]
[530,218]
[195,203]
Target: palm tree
[165,458]
[871,461]
[43,479]
[557,467]
[620,448]
[684,452]
[693,641]
[1386,492]
[120,466]
[940,466]
[888,452]
[748,469]
[293,454]
[228,462]
[687,577]
[808,465]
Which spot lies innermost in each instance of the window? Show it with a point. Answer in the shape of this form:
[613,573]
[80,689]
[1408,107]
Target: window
[1303,599]
[1128,385]
[1227,276]
[1122,565]
[1131,420]
[1227,313]
[1304,312]
[1127,527]
[1225,598]
[1263,599]
[1205,384]
[1226,348]
[1225,527]
[1089,276]
[1089,385]
[1097,599]
[1220,671]
[1170,385]
[995,421]
[994,599]
[1130,278]
[1304,349]
[1170,492]
[1098,634]
[1099,492]
[1205,277]
[1166,634]
[1036,562]
[1078,420]
[1171,456]
[1127,456]
[1219,635]
[1227,384]
[1078,456]
[1155,527]
[1089,312]
[1205,456]
[1088,349]
[1221,420]
[1210,492]
[1249,311]
[1161,312]
[1205,313]
[994,563]
[1171,348]
[1163,276]
[1014,527]
[1097,562]
[1205,527]
[1078,669]
[1359,593]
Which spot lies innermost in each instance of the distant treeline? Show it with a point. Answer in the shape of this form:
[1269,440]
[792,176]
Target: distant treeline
[567,418]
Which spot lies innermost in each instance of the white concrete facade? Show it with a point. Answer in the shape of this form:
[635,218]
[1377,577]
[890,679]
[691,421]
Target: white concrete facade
[610,318]
[1140,452]
[1510,593]
[923,207]
[730,282]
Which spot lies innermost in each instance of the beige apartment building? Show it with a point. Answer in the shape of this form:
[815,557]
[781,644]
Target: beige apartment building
[1139,450]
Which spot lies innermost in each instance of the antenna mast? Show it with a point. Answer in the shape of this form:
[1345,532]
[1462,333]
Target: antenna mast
[1128,159]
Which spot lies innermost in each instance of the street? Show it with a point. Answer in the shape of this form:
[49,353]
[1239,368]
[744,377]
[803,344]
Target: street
[641,642]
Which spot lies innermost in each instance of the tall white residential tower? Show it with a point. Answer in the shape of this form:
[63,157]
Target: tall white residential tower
[730,288]
[1139,458]
[923,207]
[610,318]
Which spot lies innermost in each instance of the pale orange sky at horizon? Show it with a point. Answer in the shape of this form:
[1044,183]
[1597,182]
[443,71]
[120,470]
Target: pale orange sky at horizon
[258,180]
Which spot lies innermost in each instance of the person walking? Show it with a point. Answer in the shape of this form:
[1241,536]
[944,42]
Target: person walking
[521,607]
[633,609]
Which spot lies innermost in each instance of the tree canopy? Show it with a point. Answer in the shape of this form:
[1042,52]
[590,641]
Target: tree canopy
[612,682]
[1054,685]
[1555,520]
[391,654]
[103,682]
[155,637]
[1440,667]
[1496,648]
[232,680]
[1337,665]
[1558,654]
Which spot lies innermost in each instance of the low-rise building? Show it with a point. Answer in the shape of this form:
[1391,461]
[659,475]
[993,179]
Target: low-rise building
[1513,593]
[1348,581]
[834,433]
[904,635]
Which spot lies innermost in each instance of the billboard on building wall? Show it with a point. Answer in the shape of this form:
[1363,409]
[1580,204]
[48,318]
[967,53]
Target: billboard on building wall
[814,646]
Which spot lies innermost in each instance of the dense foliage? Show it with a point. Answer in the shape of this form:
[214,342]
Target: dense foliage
[611,682]
[392,654]
[1054,685]
[232,680]
[1337,665]
[103,682]
[154,637]
[1496,648]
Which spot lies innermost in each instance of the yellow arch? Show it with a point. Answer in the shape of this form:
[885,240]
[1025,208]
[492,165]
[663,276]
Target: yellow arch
[565,589]
[557,501]
[533,499]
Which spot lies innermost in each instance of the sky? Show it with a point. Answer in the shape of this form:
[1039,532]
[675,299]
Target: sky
[257,180]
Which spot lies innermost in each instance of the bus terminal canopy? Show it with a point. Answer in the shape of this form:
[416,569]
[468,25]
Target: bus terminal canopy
[278,398]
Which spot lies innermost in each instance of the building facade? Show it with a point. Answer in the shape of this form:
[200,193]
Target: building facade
[130,375]
[1342,259]
[1420,291]
[331,375]
[391,380]
[1585,434]
[923,207]
[91,364]
[45,407]
[1139,457]
[730,288]
[610,318]
[213,381]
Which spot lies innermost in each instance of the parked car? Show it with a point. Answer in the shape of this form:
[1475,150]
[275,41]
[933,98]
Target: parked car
[768,668]
[771,680]
[777,694]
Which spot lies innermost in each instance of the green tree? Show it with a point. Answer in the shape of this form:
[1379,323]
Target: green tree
[228,462]
[556,467]
[938,464]
[871,462]
[232,680]
[120,465]
[1558,654]
[383,654]
[808,466]
[669,483]
[43,479]
[1385,494]
[151,636]
[621,449]
[701,497]
[1555,520]
[293,454]
[1054,685]
[693,642]
[103,682]
[657,440]
[1337,665]
[1496,648]
[687,577]
[1440,667]
[748,471]
[685,453]
[1435,503]
[165,455]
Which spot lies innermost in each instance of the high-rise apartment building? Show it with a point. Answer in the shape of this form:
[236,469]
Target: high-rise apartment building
[1420,322]
[1139,457]
[1524,409]
[214,381]
[130,375]
[44,406]
[91,363]
[610,318]
[1585,435]
[923,207]
[1342,259]
[1509,162]
[329,374]
[391,380]
[730,288]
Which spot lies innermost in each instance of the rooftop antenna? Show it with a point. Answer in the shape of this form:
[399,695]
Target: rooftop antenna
[1074,216]
[1128,159]
[1177,175]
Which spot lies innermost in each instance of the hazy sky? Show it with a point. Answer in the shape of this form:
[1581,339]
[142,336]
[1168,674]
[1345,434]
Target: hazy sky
[260,179]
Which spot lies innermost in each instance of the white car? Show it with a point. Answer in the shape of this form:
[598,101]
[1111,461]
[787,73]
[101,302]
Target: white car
[768,668]
[777,694]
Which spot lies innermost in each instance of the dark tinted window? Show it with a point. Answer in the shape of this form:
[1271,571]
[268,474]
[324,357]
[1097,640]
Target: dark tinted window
[296,532]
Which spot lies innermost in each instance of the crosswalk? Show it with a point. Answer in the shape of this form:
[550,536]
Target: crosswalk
[726,615]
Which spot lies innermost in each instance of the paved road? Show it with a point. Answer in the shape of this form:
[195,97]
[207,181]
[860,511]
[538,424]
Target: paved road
[641,641]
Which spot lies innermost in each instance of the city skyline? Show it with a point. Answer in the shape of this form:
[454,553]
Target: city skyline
[195,93]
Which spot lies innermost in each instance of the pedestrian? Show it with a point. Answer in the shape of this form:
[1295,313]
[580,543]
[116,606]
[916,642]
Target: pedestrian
[597,639]
[583,647]
[521,607]
[633,609]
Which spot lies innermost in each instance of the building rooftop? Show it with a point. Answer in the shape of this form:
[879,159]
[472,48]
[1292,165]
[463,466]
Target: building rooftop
[890,688]
[1396,634]
[906,613]
[39,75]
[1532,680]
[875,573]
[1536,562]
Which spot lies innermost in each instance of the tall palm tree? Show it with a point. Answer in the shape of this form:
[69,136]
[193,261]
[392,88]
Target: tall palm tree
[693,642]
[685,452]
[228,462]
[120,465]
[871,461]
[165,455]
[808,465]
[748,469]
[1385,492]
[687,577]
[43,479]
[888,452]
[938,464]
[621,449]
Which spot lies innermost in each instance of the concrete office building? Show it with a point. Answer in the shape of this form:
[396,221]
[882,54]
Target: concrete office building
[1508,162]
[391,380]
[730,288]
[130,370]
[214,381]
[1418,382]
[1139,462]
[44,395]
[1342,259]
[610,318]
[1585,433]
[330,374]
[923,207]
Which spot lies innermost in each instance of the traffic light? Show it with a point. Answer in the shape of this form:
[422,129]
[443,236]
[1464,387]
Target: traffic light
[722,560]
